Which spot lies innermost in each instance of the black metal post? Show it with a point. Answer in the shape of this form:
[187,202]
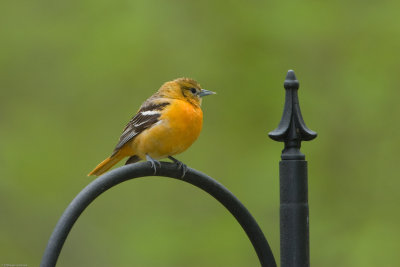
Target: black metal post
[294,221]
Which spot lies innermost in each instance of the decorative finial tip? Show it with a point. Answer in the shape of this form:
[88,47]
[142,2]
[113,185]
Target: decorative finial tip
[291,81]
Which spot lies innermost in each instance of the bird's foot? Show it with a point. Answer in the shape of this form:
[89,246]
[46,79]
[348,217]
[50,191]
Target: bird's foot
[153,163]
[180,164]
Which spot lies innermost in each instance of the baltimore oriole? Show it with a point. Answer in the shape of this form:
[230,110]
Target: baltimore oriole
[166,124]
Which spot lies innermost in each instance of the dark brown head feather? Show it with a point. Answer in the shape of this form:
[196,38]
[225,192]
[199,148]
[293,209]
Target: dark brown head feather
[188,82]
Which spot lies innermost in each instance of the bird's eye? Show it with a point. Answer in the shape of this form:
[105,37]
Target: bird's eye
[193,90]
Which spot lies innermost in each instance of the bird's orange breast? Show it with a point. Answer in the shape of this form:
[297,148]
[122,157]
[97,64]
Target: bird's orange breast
[179,126]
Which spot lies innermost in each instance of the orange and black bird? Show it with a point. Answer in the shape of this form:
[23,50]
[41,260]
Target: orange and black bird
[166,124]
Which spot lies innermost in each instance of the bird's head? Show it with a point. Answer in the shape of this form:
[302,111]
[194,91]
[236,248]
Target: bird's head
[185,89]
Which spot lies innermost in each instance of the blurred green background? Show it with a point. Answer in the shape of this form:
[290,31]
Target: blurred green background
[73,73]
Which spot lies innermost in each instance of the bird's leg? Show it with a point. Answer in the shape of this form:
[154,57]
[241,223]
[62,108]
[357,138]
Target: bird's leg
[180,164]
[153,163]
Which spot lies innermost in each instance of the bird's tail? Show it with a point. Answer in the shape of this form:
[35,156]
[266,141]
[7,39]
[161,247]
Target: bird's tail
[106,164]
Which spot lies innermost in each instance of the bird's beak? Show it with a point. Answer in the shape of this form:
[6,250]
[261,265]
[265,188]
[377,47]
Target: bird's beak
[205,92]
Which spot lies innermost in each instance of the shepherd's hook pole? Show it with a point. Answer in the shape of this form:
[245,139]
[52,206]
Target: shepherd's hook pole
[294,221]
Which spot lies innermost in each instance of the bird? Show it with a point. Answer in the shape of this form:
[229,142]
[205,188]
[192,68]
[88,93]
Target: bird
[166,124]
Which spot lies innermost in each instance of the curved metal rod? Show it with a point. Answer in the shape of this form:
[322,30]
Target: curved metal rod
[141,169]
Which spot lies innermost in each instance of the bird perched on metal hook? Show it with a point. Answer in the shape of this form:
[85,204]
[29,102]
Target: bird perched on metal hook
[166,124]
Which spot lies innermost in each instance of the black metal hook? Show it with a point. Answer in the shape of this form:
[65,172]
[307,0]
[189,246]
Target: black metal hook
[143,169]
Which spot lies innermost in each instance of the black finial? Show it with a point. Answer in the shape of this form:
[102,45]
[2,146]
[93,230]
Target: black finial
[292,130]
[291,81]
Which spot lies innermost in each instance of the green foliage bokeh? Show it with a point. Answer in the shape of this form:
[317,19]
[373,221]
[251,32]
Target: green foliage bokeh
[73,73]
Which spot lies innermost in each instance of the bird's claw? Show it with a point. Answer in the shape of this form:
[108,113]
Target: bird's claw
[180,165]
[153,163]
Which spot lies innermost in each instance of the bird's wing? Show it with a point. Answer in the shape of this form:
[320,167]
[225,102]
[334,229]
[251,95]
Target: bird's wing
[146,117]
